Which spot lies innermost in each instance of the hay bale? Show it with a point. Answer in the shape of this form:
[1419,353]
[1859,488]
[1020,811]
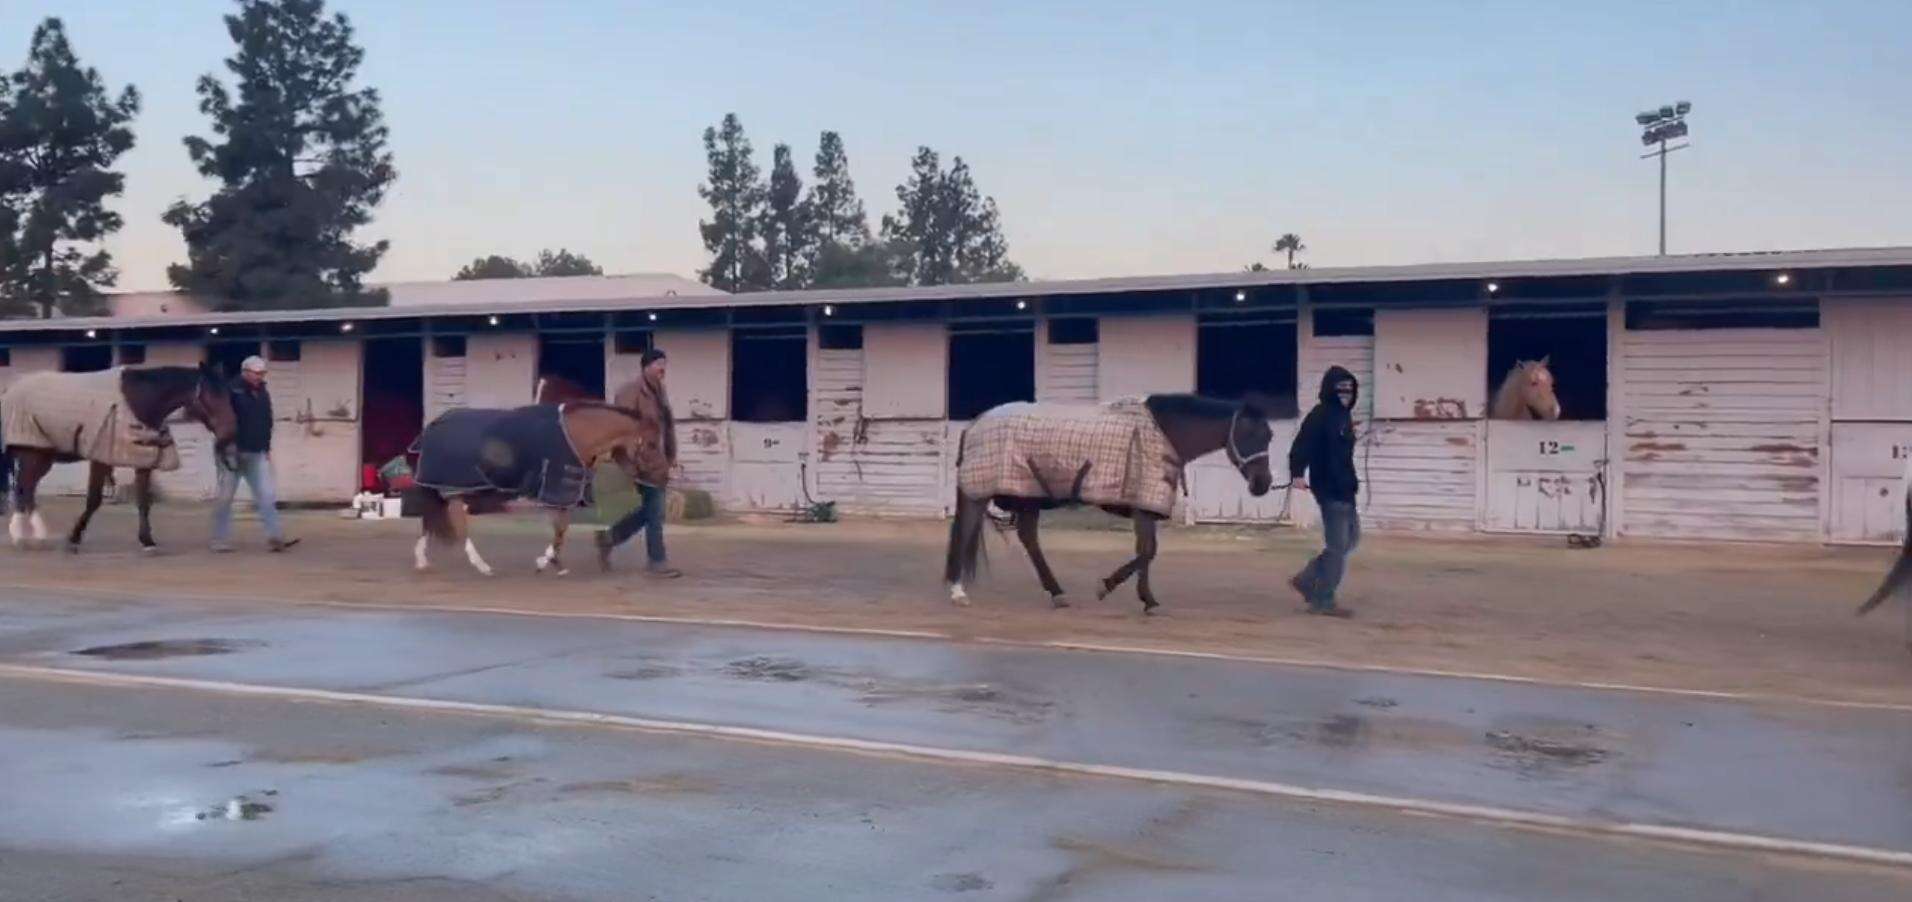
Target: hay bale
[690,504]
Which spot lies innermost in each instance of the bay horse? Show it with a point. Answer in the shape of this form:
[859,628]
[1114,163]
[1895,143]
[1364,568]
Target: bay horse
[474,460]
[1527,393]
[150,395]
[1896,578]
[1192,425]
[554,389]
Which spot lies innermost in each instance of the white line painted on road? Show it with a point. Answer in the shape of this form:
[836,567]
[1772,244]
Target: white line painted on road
[1050,644]
[1752,842]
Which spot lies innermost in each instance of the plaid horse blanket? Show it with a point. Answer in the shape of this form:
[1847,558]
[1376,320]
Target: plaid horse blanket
[82,416]
[1109,454]
[523,452]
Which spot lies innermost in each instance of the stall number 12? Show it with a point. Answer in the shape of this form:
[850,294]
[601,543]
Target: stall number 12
[1901,452]
[1550,448]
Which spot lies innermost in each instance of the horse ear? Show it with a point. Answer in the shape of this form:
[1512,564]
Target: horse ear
[1544,360]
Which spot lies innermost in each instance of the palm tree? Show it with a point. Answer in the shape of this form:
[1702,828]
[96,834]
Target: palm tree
[1289,243]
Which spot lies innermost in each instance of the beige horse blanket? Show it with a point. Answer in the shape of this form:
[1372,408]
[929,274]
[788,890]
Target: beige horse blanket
[83,416]
[1108,454]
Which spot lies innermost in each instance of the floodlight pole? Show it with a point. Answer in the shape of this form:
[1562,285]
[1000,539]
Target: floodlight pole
[1661,153]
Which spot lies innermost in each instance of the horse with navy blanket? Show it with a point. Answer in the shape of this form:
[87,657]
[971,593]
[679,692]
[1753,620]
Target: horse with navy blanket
[473,460]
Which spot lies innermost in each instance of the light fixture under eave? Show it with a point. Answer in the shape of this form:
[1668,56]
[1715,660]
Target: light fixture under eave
[1241,296]
[92,333]
[214,330]
[1782,279]
[653,317]
[1493,287]
[1022,305]
[829,310]
[345,327]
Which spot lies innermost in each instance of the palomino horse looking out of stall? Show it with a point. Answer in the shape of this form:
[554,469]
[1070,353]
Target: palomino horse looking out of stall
[1526,394]
[1126,458]
[111,418]
[473,460]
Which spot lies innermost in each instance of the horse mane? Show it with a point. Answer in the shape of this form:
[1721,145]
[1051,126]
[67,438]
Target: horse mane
[1191,405]
[161,377]
[602,405]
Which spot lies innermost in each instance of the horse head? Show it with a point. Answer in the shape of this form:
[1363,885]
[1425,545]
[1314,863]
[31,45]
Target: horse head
[1249,437]
[1535,383]
[211,405]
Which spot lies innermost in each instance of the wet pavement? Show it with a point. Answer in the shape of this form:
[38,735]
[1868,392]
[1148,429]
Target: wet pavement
[144,770]
[121,794]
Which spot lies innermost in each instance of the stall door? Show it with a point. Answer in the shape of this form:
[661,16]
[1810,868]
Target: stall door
[1545,477]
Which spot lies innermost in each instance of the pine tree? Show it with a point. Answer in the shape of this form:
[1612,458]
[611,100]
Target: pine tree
[301,159]
[60,133]
[549,263]
[564,263]
[947,231]
[736,198]
[838,211]
[786,225]
[493,267]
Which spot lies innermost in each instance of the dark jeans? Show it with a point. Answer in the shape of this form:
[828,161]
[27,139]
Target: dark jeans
[1341,530]
[648,516]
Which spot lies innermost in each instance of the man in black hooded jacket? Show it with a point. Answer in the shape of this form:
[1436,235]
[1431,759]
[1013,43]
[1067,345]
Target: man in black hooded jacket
[1323,453]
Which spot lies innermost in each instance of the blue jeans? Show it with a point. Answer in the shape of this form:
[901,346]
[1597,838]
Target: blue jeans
[1341,531]
[256,470]
[647,516]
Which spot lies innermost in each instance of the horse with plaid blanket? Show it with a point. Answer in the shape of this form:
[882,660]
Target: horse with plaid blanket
[1126,457]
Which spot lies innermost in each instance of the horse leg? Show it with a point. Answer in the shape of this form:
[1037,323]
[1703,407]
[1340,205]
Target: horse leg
[1026,521]
[95,491]
[550,559]
[1145,553]
[27,528]
[460,513]
[965,535]
[1122,573]
[143,491]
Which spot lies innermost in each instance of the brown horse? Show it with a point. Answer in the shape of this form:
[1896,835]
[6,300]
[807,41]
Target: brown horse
[473,460]
[1526,394]
[150,395]
[555,389]
[1193,426]
[1895,579]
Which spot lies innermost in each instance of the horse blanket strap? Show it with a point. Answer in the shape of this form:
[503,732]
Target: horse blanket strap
[523,452]
[1109,454]
[83,416]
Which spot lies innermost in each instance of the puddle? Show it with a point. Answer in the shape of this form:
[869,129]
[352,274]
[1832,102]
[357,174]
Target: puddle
[1376,701]
[960,883]
[1541,752]
[168,648]
[238,808]
[658,672]
[772,670]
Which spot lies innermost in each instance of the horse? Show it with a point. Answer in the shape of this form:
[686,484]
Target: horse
[1526,394]
[473,460]
[1901,571]
[1028,458]
[554,389]
[111,418]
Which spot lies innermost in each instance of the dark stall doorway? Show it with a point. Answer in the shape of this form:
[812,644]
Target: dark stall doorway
[1574,344]
[394,409]
[575,358]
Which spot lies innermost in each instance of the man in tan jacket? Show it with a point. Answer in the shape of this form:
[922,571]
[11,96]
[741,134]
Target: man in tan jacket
[653,459]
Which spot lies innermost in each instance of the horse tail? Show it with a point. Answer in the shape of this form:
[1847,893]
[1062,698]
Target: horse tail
[967,554]
[434,512]
[1902,568]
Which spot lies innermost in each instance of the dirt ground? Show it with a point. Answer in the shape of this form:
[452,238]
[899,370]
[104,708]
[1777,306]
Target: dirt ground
[1743,618]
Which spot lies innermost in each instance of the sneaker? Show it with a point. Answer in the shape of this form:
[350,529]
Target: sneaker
[662,571]
[222,548]
[1332,611]
[1301,588]
[277,545]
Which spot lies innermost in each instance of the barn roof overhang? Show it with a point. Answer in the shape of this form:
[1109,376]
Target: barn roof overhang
[1742,276]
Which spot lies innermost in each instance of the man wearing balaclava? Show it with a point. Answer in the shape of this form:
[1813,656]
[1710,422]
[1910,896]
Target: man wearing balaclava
[1322,461]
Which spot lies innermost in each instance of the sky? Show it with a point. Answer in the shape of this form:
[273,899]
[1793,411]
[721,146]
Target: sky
[1118,138]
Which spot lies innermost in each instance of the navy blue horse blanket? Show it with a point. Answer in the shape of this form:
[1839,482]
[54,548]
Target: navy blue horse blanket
[523,452]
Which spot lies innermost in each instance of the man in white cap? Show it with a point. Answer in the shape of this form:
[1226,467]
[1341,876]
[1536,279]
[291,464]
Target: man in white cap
[252,406]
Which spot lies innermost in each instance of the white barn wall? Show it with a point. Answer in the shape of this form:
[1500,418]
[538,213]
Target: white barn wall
[501,369]
[1144,355]
[1422,458]
[881,444]
[316,437]
[1871,430]
[1066,374]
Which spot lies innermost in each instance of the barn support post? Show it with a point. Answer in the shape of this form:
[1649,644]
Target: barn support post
[1616,414]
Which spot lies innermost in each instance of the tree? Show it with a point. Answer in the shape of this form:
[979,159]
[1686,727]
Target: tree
[565,263]
[871,264]
[60,133]
[946,231]
[833,201]
[559,263]
[1256,266]
[301,159]
[786,225]
[736,199]
[1290,243]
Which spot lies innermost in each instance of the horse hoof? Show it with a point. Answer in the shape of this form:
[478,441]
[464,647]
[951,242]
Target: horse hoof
[149,550]
[1059,600]
[1148,610]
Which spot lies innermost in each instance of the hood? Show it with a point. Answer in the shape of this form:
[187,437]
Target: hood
[1337,374]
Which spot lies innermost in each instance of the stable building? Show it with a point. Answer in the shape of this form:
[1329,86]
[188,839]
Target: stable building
[1760,396]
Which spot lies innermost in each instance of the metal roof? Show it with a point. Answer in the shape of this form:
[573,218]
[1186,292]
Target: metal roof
[600,301]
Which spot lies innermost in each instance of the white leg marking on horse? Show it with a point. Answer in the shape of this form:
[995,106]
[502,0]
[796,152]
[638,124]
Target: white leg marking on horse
[39,527]
[957,595]
[478,563]
[419,559]
[544,560]
[17,527]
